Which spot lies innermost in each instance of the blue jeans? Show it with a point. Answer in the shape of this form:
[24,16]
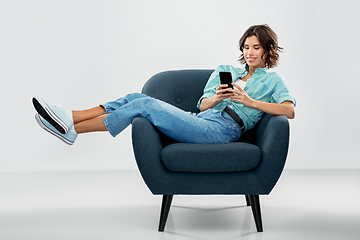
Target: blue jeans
[204,127]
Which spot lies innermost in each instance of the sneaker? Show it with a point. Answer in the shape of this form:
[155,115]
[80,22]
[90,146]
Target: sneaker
[68,138]
[55,115]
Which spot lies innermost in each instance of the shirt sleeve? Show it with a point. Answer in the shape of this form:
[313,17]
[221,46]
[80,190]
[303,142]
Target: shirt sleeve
[281,93]
[211,85]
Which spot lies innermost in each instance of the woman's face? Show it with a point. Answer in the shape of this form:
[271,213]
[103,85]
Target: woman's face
[253,52]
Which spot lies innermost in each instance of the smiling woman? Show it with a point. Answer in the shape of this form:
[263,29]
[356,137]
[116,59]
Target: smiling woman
[254,53]
[224,116]
[264,36]
[266,92]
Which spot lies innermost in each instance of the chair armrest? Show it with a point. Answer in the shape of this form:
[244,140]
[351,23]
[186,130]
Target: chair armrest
[272,136]
[147,146]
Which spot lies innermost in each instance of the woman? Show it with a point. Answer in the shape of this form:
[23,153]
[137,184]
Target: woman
[225,113]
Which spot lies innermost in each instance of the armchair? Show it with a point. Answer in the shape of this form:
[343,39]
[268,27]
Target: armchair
[250,166]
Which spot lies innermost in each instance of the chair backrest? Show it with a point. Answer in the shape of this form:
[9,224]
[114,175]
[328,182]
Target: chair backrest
[181,88]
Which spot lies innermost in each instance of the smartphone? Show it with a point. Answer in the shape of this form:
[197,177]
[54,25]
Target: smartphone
[226,78]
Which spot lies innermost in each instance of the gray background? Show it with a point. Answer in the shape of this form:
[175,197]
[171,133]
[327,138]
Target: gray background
[83,53]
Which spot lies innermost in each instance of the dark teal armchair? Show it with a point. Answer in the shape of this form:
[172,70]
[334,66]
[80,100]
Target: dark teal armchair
[251,166]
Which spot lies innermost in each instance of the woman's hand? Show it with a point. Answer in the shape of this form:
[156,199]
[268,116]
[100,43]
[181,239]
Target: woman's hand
[219,96]
[223,92]
[241,96]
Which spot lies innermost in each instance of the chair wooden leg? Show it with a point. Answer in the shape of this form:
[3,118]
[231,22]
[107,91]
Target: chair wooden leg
[247,200]
[255,206]
[165,208]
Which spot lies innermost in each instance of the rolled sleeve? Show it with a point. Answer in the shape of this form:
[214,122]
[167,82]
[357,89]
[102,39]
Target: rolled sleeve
[211,85]
[281,93]
[206,95]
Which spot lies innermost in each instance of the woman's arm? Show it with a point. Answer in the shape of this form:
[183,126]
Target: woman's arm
[207,103]
[286,108]
[212,101]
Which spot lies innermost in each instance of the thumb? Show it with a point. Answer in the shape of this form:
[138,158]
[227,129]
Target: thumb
[238,87]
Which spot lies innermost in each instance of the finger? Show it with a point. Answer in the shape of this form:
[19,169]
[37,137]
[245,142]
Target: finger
[234,98]
[223,86]
[219,92]
[223,90]
[220,87]
[233,91]
[227,95]
[238,87]
[221,97]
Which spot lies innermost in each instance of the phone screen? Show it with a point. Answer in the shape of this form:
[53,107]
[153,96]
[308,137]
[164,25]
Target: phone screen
[226,78]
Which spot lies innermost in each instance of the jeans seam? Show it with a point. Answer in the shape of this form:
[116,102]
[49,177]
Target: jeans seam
[108,127]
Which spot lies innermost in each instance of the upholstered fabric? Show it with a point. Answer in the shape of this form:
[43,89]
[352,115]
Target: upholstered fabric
[210,158]
[181,88]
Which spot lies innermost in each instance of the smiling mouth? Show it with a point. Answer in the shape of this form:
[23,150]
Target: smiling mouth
[251,59]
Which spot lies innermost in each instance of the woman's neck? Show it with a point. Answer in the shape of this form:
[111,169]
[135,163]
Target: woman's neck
[251,70]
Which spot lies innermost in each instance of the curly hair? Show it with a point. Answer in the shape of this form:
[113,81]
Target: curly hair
[267,39]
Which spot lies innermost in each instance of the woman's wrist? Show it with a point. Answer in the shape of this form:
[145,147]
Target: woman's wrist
[254,104]
[216,99]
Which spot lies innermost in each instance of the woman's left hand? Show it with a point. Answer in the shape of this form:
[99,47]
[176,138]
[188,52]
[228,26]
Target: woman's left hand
[285,108]
[241,96]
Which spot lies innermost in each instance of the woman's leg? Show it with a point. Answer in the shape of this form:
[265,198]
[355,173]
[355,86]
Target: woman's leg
[115,116]
[91,125]
[91,120]
[172,121]
[80,116]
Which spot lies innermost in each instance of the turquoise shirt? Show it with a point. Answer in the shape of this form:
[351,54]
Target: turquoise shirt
[263,86]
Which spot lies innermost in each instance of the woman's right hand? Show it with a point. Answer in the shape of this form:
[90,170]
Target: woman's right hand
[219,96]
[220,93]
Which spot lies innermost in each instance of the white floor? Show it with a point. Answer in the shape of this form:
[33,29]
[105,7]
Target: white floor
[107,205]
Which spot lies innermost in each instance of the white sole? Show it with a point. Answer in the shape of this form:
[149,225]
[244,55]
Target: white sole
[43,126]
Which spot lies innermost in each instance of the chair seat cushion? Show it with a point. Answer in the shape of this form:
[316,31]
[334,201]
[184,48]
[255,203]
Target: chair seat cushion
[210,158]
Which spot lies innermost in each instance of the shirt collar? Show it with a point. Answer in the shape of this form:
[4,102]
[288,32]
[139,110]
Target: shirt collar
[258,70]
